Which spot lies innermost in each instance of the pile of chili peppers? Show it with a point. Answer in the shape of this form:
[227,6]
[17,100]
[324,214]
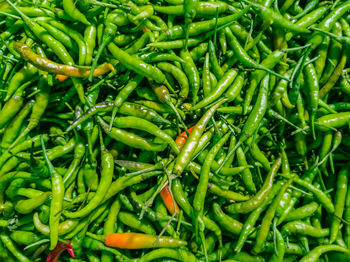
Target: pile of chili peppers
[174,130]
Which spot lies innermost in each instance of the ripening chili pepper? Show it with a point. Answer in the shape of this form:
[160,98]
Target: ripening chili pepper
[52,43]
[52,67]
[168,201]
[61,78]
[139,241]
[182,138]
[54,255]
[186,152]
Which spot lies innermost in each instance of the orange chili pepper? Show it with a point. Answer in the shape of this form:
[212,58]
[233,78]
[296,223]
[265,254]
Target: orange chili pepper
[181,139]
[61,78]
[168,201]
[145,29]
[139,241]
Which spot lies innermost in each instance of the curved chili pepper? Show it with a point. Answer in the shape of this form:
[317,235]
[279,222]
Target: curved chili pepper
[52,67]
[54,254]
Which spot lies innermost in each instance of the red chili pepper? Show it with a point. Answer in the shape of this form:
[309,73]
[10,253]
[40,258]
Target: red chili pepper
[60,247]
[181,139]
[168,201]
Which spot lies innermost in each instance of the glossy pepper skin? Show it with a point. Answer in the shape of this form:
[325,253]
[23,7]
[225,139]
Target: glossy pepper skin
[179,130]
[139,241]
[52,67]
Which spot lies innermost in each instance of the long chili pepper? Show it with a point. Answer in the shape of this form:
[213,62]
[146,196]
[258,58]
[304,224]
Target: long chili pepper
[228,223]
[169,201]
[253,217]
[39,107]
[199,197]
[178,75]
[203,9]
[177,254]
[123,95]
[313,90]
[278,19]
[244,57]
[138,240]
[269,62]
[256,201]
[186,152]
[320,195]
[52,67]
[56,46]
[328,22]
[11,132]
[141,124]
[192,73]
[190,11]
[266,222]
[76,36]
[253,120]
[197,28]
[17,80]
[334,77]
[220,88]
[107,165]
[137,65]
[108,35]
[57,198]
[314,254]
[6,240]
[342,187]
